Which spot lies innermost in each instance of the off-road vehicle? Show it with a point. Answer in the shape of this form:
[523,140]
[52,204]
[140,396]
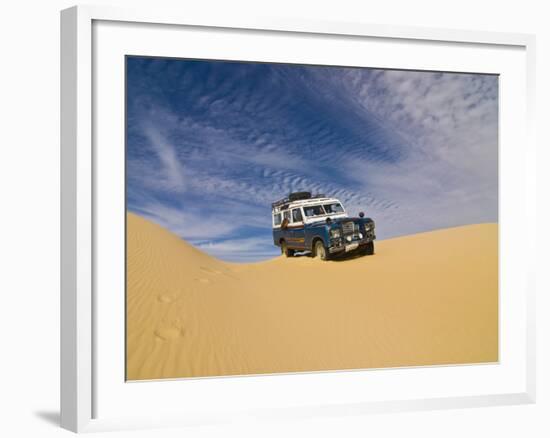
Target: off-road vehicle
[319,224]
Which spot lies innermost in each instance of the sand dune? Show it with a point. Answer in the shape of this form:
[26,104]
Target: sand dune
[425,299]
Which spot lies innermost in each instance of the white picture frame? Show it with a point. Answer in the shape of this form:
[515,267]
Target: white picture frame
[83,379]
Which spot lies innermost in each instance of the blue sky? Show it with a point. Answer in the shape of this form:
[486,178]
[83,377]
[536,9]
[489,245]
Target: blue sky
[211,144]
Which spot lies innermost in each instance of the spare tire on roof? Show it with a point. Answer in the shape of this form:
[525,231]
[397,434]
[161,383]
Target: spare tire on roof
[296,196]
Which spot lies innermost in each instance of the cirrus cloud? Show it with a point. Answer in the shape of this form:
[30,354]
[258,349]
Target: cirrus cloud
[211,144]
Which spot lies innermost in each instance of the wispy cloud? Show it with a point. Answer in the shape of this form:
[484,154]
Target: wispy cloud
[212,144]
[171,170]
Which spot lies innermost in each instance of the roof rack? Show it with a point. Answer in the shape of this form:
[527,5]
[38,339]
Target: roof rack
[296,196]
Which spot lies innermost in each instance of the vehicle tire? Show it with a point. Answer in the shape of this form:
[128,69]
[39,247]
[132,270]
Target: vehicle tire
[285,251]
[369,249]
[319,250]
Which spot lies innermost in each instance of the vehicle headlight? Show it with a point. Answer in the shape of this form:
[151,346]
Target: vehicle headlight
[360,235]
[349,238]
[335,233]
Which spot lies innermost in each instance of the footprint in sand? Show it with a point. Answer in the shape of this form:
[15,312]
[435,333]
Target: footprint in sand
[168,333]
[203,280]
[165,298]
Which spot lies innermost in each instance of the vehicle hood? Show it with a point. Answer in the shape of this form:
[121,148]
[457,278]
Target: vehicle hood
[339,220]
[352,219]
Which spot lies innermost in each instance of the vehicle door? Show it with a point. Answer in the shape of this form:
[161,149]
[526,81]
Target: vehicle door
[277,232]
[286,231]
[297,229]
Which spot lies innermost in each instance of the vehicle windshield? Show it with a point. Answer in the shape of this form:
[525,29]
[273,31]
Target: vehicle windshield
[334,208]
[314,210]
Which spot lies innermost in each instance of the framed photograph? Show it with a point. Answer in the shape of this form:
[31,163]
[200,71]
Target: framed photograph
[283,218]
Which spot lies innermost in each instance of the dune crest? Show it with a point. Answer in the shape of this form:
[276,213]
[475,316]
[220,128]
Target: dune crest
[424,299]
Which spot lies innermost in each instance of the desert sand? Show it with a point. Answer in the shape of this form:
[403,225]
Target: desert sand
[424,299]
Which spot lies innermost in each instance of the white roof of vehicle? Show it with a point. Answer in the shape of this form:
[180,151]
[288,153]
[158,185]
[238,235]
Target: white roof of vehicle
[304,203]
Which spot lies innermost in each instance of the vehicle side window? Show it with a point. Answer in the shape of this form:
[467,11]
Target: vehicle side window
[315,210]
[297,215]
[286,215]
[277,219]
[333,208]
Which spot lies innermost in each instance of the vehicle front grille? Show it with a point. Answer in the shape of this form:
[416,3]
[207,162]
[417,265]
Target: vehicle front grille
[348,227]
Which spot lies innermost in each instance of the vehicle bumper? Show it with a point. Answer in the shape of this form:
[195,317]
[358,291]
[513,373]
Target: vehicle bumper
[354,245]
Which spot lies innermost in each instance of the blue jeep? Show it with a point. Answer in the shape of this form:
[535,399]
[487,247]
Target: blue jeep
[319,224]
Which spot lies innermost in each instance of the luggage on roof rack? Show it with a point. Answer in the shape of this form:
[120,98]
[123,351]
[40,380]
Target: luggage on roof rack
[297,196]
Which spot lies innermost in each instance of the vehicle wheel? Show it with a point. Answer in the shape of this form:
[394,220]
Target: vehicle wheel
[285,251]
[369,249]
[320,251]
